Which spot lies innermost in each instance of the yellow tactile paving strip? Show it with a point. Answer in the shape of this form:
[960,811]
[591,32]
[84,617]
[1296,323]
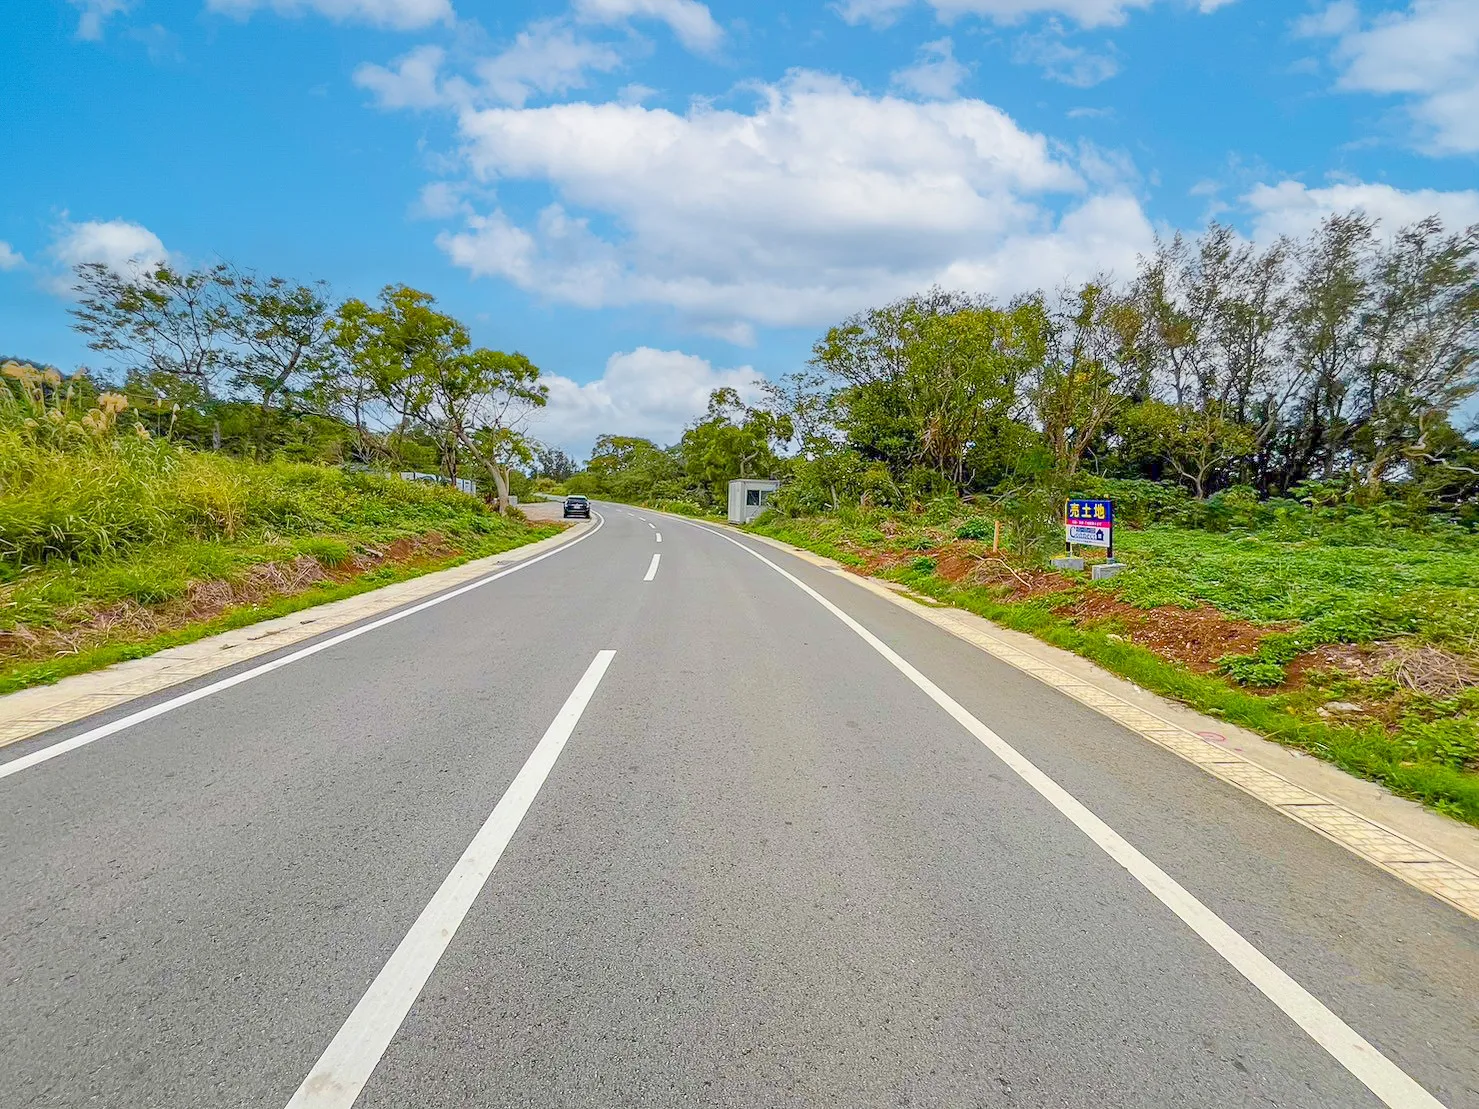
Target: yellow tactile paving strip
[1398,855]
[33,711]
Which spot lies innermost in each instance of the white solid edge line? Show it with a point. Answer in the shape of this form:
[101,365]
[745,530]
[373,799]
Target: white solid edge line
[351,1057]
[92,735]
[1374,1070]
[652,566]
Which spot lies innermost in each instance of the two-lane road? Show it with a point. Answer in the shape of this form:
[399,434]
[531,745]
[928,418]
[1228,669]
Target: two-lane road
[668,818]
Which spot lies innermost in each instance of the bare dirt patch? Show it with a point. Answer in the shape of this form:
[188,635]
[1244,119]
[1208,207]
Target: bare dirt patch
[1194,637]
[1197,638]
[1420,668]
[968,563]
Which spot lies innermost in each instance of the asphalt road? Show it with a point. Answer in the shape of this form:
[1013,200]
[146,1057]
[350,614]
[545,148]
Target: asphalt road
[622,831]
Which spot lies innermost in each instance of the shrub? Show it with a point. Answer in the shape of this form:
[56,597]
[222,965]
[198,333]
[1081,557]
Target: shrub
[1252,670]
[327,552]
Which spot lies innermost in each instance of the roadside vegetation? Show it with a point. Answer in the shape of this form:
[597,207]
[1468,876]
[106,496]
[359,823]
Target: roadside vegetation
[239,458]
[1287,433]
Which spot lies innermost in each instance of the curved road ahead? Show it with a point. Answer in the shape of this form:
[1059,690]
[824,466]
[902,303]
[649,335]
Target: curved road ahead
[708,829]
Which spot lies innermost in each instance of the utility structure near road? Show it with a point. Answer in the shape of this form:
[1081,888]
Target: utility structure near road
[748,498]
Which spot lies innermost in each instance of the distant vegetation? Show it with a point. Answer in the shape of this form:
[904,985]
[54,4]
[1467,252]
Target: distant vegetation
[1328,370]
[1281,428]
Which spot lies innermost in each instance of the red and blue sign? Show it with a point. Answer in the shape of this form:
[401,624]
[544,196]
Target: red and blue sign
[1089,523]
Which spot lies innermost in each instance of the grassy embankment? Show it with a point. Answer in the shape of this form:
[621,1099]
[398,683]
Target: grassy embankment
[1350,640]
[113,546]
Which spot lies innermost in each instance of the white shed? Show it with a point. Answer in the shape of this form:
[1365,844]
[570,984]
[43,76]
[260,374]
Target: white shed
[748,497]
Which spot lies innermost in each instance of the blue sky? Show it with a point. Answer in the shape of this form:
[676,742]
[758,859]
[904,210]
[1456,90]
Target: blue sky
[654,197]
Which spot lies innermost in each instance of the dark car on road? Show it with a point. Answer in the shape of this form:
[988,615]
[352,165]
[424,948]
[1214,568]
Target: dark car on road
[577,506]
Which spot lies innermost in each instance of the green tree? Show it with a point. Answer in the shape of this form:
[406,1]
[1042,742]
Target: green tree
[630,468]
[165,328]
[733,440]
[479,400]
[552,462]
[1087,374]
[281,333]
[1421,357]
[394,351]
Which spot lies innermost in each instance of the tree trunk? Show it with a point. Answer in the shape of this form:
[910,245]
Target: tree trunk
[500,482]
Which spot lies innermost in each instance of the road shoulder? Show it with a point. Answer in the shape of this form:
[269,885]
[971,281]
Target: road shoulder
[30,712]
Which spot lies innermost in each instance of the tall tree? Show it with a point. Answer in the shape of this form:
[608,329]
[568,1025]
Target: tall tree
[1087,374]
[480,400]
[1421,349]
[281,333]
[733,440]
[397,347]
[1323,342]
[162,326]
[551,462]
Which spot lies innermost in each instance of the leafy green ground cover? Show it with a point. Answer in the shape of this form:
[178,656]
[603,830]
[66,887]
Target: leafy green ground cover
[114,546]
[1361,637]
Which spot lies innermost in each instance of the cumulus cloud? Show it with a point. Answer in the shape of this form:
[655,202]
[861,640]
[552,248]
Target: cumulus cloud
[1086,13]
[399,15]
[644,392]
[689,20]
[1293,208]
[440,200]
[819,201]
[935,73]
[95,14]
[547,57]
[1072,65]
[10,258]
[1428,54]
[411,81]
[117,243]
[879,13]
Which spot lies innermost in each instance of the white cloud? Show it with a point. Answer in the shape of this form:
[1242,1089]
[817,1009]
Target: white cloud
[400,15]
[547,57]
[879,13]
[635,93]
[1086,13]
[935,73]
[10,258]
[95,13]
[117,243]
[644,392]
[820,201]
[688,19]
[412,83]
[1072,65]
[1292,208]
[1428,53]
[440,200]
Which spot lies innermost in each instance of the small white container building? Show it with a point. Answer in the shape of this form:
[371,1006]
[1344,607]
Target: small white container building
[748,497]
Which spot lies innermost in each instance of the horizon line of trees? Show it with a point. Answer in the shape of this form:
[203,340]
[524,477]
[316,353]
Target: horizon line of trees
[1335,366]
[1337,363]
[221,358]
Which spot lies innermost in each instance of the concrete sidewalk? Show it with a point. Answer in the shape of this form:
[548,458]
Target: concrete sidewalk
[30,712]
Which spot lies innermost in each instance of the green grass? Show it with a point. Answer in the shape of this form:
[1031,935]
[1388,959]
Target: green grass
[52,670]
[1350,585]
[96,523]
